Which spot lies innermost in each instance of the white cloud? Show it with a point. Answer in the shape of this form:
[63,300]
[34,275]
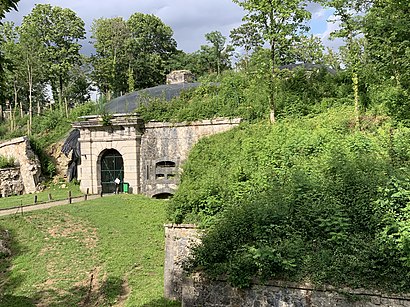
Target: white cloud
[190,19]
[332,24]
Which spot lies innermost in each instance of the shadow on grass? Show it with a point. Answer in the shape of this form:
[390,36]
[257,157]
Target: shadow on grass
[108,292]
[7,281]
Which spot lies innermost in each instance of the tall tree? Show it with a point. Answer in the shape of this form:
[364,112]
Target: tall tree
[387,30]
[349,14]
[5,6]
[247,37]
[57,32]
[151,47]
[219,52]
[280,22]
[111,39]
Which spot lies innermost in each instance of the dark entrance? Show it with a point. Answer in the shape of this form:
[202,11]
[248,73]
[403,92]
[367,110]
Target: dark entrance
[112,166]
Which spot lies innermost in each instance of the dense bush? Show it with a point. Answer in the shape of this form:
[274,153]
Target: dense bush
[246,95]
[300,200]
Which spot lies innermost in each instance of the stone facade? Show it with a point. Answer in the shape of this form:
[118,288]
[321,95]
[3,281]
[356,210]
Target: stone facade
[11,182]
[180,76]
[122,133]
[152,152]
[198,291]
[164,146]
[30,169]
[178,240]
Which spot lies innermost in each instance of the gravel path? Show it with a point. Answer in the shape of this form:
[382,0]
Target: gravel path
[47,205]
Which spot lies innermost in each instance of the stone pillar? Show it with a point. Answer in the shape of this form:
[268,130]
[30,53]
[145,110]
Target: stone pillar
[178,240]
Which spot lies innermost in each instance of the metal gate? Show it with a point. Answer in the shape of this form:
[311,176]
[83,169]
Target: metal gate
[112,166]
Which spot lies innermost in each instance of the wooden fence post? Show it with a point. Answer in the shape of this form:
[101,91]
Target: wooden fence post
[69,197]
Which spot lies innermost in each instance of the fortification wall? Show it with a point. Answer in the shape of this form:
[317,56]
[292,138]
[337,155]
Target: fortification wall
[171,142]
[198,291]
[11,182]
[28,162]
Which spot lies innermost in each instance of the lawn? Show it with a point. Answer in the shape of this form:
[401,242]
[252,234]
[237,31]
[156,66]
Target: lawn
[103,252]
[58,192]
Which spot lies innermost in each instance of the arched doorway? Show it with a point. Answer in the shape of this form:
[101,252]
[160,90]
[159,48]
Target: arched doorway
[112,166]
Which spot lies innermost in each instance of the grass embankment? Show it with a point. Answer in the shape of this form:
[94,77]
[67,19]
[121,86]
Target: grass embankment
[58,192]
[310,199]
[105,252]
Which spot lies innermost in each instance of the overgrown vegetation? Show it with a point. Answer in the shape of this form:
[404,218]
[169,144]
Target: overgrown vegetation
[104,252]
[245,94]
[48,128]
[7,162]
[310,199]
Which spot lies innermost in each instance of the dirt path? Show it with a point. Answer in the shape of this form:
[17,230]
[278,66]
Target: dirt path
[47,205]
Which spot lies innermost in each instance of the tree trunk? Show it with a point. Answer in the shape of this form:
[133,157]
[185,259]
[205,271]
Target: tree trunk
[30,97]
[355,80]
[272,84]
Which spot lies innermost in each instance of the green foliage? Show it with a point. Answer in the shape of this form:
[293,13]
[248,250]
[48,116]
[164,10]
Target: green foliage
[49,127]
[245,94]
[395,100]
[296,201]
[6,162]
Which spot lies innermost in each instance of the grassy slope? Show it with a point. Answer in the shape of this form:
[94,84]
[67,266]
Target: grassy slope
[58,192]
[103,252]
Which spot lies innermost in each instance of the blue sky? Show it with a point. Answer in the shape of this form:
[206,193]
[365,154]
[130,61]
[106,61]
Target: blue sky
[190,19]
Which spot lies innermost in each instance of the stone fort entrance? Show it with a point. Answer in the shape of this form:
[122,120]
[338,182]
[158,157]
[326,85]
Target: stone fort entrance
[145,155]
[112,167]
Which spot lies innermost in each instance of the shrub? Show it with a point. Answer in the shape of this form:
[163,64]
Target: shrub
[296,201]
[6,162]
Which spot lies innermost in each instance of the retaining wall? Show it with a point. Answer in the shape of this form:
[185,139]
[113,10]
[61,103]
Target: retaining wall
[11,182]
[198,291]
[28,162]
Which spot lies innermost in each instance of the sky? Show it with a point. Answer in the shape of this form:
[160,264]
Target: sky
[189,19]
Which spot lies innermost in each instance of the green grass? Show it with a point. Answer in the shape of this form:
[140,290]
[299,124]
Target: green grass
[97,253]
[57,191]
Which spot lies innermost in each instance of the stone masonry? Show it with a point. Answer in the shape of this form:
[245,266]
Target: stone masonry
[152,152]
[11,182]
[30,169]
[198,291]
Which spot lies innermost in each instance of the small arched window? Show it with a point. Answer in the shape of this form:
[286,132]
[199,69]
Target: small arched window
[165,170]
[165,164]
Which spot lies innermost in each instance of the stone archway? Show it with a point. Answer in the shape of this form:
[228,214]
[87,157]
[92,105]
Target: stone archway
[111,167]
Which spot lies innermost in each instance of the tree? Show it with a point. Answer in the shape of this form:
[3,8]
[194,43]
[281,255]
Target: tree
[5,6]
[151,47]
[112,59]
[387,30]
[280,22]
[218,53]
[248,37]
[14,72]
[348,13]
[56,32]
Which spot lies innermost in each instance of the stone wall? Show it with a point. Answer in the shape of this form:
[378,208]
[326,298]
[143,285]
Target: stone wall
[11,182]
[178,240]
[180,76]
[197,291]
[30,168]
[123,133]
[171,142]
[152,152]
